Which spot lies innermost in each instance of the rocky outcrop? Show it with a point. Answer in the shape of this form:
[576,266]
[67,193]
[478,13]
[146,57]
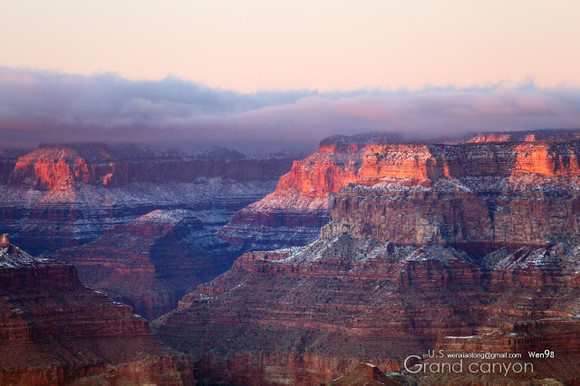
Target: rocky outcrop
[150,263]
[279,220]
[66,195]
[460,248]
[53,330]
[526,136]
[139,222]
[482,190]
[465,213]
[59,167]
[343,300]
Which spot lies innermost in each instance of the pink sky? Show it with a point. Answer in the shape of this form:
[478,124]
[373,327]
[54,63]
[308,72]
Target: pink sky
[325,45]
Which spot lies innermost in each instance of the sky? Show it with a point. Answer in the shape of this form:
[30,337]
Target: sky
[127,69]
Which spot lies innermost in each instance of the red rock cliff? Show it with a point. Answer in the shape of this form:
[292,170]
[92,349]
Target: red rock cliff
[60,166]
[470,180]
[53,330]
[148,263]
[459,247]
[65,195]
[344,300]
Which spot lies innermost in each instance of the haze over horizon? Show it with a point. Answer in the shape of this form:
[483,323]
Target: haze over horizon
[286,72]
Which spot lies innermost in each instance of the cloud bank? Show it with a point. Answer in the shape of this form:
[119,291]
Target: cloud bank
[38,106]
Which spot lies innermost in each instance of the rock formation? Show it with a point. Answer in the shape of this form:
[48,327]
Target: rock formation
[484,179]
[471,247]
[65,195]
[53,330]
[150,263]
[526,136]
[139,222]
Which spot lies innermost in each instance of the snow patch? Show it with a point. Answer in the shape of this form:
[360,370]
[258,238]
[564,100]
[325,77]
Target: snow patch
[13,257]
[463,337]
[160,216]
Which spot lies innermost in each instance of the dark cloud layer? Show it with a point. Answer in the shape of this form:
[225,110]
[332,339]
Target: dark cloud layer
[37,106]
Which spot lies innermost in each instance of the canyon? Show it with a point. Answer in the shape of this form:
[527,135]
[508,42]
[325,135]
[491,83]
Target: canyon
[149,263]
[502,164]
[54,330]
[364,253]
[138,221]
[463,247]
[62,195]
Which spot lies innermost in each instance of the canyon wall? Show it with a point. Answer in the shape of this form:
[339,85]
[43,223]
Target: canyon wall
[150,263]
[139,222]
[490,178]
[53,330]
[65,195]
[465,247]
[306,315]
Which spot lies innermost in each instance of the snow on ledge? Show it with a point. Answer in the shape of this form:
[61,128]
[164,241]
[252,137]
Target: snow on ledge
[464,337]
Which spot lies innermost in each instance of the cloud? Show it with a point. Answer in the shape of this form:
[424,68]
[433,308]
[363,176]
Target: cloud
[40,106]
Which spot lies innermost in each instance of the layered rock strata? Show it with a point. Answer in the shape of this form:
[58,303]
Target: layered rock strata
[150,263]
[306,314]
[463,248]
[139,222]
[484,180]
[66,195]
[53,330]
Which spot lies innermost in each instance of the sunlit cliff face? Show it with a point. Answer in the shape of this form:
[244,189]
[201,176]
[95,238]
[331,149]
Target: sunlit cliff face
[540,159]
[337,165]
[483,138]
[52,169]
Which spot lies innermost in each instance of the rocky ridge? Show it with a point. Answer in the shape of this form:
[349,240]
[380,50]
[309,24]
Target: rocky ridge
[150,263]
[336,302]
[53,330]
[469,247]
[487,174]
[139,222]
[68,194]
